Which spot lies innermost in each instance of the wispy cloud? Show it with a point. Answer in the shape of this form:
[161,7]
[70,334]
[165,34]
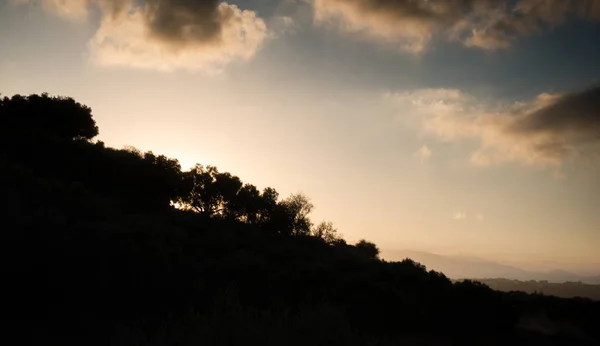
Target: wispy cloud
[459,216]
[423,153]
[76,10]
[544,131]
[283,25]
[485,24]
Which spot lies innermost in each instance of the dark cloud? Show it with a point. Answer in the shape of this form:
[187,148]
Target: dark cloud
[172,34]
[176,22]
[420,10]
[186,21]
[407,24]
[542,132]
[529,17]
[576,114]
[166,34]
[486,24]
[557,126]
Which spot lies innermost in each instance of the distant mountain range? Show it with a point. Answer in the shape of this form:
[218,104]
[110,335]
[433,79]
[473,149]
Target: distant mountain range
[563,290]
[456,267]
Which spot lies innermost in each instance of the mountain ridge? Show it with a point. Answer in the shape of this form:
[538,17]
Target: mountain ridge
[461,267]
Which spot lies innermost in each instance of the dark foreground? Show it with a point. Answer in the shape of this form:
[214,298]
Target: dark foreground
[94,253]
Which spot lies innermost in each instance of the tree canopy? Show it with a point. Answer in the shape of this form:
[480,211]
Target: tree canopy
[42,115]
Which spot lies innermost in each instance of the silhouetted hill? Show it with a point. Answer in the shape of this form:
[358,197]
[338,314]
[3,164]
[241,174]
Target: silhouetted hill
[457,267]
[102,246]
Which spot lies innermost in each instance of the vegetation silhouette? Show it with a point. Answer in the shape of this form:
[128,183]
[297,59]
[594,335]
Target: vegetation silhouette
[102,246]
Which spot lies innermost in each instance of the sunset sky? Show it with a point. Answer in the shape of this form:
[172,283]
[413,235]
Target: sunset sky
[448,126]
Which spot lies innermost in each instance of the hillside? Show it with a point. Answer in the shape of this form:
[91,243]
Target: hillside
[96,253]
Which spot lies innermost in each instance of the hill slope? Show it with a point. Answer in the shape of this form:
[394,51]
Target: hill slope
[94,252]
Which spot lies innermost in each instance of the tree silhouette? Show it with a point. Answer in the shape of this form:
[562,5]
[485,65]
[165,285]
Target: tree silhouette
[202,195]
[247,204]
[296,208]
[328,233]
[367,249]
[41,115]
[267,203]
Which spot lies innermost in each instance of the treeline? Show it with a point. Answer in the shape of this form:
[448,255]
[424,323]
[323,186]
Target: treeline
[118,247]
[144,181]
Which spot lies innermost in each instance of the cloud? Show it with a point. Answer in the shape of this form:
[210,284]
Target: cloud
[407,25]
[528,17]
[178,34]
[284,25]
[544,131]
[68,9]
[423,153]
[576,115]
[167,34]
[459,216]
[487,24]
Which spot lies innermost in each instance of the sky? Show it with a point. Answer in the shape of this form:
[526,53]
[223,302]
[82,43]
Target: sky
[458,127]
